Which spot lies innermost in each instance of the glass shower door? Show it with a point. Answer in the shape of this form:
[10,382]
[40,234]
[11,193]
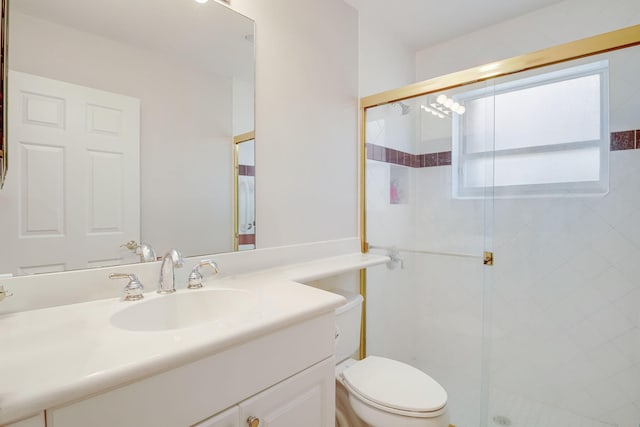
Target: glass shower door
[565,343]
[426,308]
[541,168]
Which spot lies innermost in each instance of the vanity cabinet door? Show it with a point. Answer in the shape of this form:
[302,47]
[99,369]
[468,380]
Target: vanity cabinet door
[306,399]
[229,418]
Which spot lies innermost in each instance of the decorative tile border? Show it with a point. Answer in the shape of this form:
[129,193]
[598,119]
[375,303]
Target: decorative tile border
[396,157]
[246,239]
[624,140]
[246,170]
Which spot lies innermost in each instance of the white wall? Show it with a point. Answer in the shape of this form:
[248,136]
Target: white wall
[560,23]
[306,119]
[385,63]
[185,126]
[243,106]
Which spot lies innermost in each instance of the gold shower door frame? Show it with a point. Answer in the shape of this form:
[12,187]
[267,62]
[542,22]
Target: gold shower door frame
[607,42]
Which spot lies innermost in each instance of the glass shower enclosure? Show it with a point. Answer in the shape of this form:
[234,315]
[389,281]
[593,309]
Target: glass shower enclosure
[509,209]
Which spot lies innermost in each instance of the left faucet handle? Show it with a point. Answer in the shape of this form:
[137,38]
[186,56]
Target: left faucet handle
[134,289]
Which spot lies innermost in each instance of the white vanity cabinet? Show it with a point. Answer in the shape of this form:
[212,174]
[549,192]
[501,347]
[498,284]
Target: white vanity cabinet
[306,399]
[283,379]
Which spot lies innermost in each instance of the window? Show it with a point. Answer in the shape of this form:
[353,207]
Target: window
[539,136]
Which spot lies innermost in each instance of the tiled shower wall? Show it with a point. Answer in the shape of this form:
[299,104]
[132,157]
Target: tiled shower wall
[246,170]
[565,311]
[390,329]
[429,313]
[565,298]
[565,295]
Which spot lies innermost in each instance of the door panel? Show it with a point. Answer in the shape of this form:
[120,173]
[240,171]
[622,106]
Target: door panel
[307,399]
[74,195]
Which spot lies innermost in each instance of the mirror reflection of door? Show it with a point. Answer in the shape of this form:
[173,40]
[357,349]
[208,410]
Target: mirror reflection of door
[63,210]
[244,181]
[74,196]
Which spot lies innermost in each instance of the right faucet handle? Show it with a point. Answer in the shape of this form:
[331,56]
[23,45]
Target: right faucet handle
[134,289]
[195,278]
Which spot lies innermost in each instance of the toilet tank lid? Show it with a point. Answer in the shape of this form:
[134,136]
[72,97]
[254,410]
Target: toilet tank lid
[395,385]
[353,299]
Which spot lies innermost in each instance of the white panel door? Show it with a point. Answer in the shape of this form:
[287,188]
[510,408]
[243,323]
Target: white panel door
[72,196]
[306,399]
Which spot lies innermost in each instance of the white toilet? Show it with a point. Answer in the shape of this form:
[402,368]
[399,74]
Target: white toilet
[380,392]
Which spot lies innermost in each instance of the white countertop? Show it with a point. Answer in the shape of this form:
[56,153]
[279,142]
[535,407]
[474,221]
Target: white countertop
[55,355]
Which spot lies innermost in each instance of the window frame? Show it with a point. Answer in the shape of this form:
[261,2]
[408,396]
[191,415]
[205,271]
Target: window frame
[558,189]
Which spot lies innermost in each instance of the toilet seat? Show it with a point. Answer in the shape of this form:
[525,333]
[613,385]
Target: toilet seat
[395,387]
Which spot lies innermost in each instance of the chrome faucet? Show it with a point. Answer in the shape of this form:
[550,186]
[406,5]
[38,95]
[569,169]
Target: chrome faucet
[170,261]
[145,250]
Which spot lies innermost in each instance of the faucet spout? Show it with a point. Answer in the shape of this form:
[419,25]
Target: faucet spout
[170,261]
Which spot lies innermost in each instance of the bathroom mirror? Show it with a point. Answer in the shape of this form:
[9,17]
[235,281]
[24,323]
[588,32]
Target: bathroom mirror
[121,124]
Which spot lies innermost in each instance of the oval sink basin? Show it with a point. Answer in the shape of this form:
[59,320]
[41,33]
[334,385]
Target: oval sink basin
[184,309]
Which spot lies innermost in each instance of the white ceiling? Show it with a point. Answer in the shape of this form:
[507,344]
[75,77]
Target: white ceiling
[423,23]
[210,35]
[194,31]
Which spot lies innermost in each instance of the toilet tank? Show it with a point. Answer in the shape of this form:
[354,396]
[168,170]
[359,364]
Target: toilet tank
[348,318]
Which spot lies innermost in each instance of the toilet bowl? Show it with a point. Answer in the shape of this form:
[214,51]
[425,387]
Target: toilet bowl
[380,392]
